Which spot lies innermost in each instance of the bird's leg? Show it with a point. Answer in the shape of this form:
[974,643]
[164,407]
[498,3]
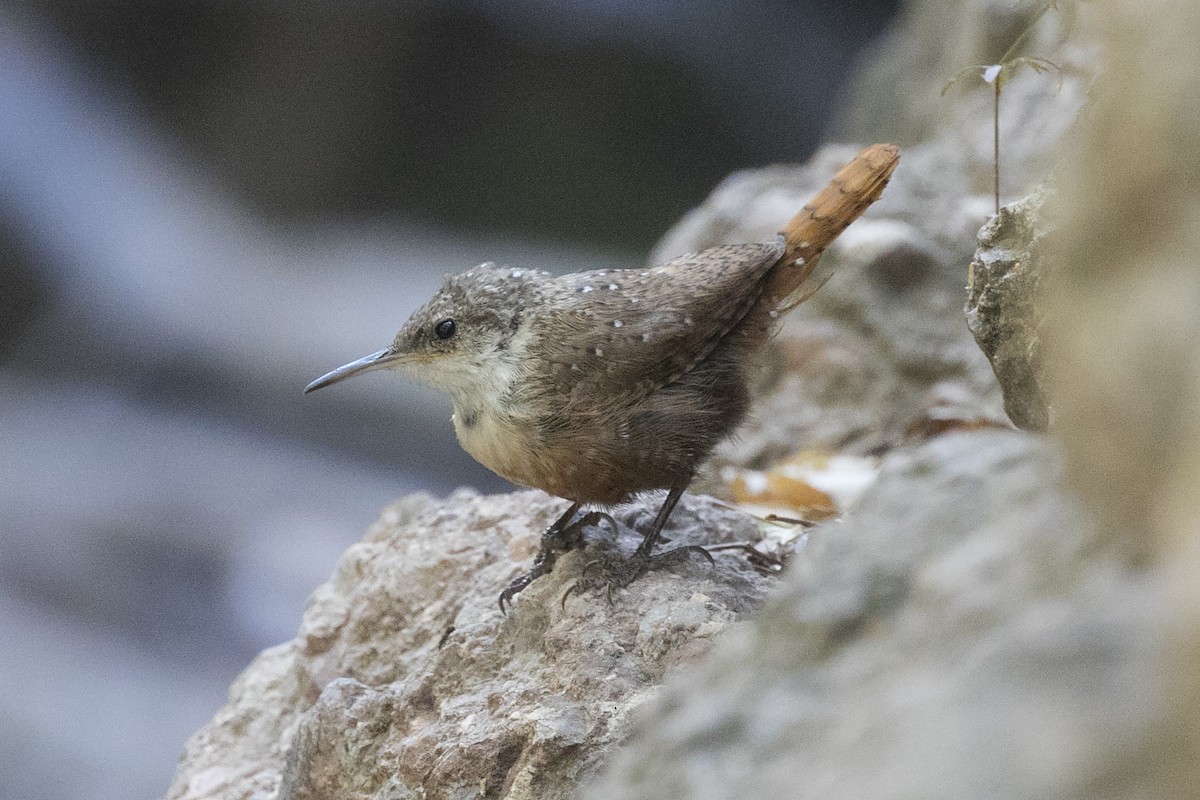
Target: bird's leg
[543,562]
[651,538]
[643,559]
[561,536]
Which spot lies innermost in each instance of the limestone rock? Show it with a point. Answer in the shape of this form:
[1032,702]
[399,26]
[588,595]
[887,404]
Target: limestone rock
[956,636]
[1126,361]
[1004,310]
[405,680]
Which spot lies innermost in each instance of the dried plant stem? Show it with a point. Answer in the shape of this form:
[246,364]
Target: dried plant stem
[996,142]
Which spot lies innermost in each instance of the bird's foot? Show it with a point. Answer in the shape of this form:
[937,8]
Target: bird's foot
[619,574]
[564,535]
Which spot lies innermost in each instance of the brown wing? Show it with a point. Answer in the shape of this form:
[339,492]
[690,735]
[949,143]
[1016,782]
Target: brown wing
[636,330]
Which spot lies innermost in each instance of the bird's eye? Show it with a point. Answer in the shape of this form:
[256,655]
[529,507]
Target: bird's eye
[445,329]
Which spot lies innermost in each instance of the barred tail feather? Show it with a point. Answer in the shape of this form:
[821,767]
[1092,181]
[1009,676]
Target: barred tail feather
[856,186]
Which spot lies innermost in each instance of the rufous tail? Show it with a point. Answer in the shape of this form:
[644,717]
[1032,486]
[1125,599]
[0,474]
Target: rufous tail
[856,186]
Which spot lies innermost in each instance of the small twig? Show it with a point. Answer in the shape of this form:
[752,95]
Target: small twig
[1016,45]
[996,142]
[763,562]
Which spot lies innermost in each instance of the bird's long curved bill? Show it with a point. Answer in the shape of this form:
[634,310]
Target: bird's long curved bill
[364,364]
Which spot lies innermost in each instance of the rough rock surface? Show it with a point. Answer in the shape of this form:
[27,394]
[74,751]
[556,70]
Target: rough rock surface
[1004,308]
[1126,356]
[956,636]
[405,680]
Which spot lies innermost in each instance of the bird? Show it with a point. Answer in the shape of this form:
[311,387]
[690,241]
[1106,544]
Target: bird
[600,385]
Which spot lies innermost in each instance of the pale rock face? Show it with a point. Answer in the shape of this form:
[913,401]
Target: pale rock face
[960,634]
[404,676]
[1003,308]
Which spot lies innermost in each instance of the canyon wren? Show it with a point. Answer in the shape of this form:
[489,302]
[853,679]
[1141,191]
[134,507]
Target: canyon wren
[596,386]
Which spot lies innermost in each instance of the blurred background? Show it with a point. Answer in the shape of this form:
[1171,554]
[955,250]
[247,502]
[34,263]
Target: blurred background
[204,205]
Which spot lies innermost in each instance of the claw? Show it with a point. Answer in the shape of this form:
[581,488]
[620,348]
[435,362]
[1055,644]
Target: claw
[589,566]
[570,591]
[584,584]
[512,590]
[695,548]
[679,553]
